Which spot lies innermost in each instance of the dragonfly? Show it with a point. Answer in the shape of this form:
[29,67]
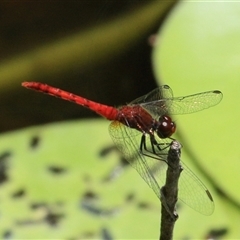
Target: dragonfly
[142,132]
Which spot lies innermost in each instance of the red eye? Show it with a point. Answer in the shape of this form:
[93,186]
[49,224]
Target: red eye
[166,127]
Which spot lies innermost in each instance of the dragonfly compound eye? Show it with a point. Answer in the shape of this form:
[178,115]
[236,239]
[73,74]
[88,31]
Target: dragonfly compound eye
[166,127]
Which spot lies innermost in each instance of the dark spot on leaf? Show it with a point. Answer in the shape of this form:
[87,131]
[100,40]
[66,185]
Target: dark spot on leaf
[47,215]
[4,157]
[217,233]
[19,193]
[37,205]
[91,208]
[124,162]
[106,150]
[34,142]
[130,197]
[90,204]
[53,218]
[118,168]
[106,235]
[7,234]
[112,148]
[113,174]
[57,169]
[89,195]
[143,205]
[95,208]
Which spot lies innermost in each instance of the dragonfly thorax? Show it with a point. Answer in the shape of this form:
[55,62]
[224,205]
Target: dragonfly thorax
[164,126]
[137,117]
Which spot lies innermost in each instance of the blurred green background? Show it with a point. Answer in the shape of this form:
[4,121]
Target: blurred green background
[66,180]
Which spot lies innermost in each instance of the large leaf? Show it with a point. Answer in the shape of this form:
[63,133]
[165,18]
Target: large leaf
[198,50]
[56,183]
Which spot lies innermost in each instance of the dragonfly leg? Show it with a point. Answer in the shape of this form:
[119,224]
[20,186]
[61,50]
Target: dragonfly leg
[151,153]
[160,146]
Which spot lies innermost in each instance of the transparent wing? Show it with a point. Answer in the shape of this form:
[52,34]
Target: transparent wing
[153,169]
[183,105]
[163,92]
[127,141]
[157,102]
[194,193]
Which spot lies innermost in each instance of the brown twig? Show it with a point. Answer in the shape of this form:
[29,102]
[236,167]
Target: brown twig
[169,192]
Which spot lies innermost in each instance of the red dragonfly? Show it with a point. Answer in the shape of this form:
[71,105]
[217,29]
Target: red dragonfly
[142,131]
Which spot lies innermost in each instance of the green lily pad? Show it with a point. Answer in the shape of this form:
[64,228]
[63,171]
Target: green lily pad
[67,181]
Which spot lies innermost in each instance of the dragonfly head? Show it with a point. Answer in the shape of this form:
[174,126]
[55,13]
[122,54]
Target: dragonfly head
[165,127]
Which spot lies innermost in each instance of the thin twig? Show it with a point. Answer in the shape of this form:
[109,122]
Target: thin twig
[169,192]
